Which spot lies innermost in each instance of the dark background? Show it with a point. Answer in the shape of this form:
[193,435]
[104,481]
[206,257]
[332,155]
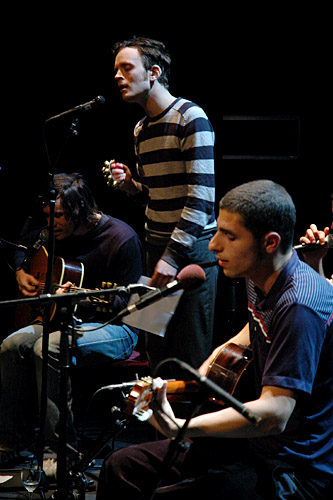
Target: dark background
[267,63]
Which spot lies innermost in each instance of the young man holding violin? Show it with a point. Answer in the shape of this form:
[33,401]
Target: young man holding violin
[289,452]
[104,249]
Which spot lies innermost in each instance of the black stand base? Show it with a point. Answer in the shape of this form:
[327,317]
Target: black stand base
[77,481]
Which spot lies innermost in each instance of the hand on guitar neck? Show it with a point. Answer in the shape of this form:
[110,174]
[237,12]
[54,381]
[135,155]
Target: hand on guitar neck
[226,368]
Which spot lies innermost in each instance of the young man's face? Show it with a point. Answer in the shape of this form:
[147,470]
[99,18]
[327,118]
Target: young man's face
[237,251]
[131,76]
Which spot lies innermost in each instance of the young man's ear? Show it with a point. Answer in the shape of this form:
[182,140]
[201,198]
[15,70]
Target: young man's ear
[155,72]
[271,241]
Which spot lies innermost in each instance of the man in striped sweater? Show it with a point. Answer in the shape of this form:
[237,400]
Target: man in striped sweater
[174,145]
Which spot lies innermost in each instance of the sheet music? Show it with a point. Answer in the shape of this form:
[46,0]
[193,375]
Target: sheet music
[155,317]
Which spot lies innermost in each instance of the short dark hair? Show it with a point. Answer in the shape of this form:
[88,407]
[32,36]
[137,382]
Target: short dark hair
[152,52]
[264,206]
[76,198]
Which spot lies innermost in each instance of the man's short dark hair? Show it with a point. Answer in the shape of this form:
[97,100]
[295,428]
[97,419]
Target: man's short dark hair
[264,206]
[152,52]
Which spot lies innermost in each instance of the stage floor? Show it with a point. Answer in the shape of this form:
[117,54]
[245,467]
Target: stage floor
[97,439]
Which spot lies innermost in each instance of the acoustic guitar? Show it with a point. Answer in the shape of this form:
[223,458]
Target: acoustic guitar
[226,371]
[63,271]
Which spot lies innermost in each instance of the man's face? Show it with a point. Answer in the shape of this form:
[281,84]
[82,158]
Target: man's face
[131,76]
[62,227]
[237,251]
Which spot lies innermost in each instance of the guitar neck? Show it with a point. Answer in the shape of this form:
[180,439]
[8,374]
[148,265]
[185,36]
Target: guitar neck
[182,386]
[226,370]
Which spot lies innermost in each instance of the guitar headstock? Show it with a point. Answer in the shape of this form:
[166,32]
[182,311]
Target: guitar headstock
[104,303]
[139,399]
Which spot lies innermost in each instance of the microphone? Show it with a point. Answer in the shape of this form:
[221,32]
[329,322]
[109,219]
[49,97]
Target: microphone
[42,238]
[308,247]
[81,107]
[121,386]
[139,288]
[189,278]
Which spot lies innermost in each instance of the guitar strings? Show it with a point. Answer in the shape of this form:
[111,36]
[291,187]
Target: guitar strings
[55,286]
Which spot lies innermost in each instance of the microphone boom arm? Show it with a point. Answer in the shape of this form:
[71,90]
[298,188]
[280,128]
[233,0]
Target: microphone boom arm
[81,107]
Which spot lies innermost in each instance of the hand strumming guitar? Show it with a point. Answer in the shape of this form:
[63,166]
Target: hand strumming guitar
[27,284]
[163,418]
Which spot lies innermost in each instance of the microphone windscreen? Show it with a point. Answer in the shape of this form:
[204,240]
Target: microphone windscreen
[44,234]
[191,277]
[100,99]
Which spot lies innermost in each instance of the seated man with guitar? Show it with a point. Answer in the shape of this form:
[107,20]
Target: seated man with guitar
[90,247]
[288,451]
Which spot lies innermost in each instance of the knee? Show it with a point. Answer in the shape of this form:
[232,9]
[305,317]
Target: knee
[12,344]
[115,465]
[53,345]
[38,347]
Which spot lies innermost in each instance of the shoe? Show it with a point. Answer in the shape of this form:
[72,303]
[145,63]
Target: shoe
[7,455]
[50,469]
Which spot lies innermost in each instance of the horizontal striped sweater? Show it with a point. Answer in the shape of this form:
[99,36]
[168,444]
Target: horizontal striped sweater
[175,166]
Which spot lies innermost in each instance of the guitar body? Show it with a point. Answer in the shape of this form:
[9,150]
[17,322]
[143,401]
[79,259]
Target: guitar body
[226,371]
[63,271]
[229,365]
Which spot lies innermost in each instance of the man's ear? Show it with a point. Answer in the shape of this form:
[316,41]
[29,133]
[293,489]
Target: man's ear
[271,241]
[155,72]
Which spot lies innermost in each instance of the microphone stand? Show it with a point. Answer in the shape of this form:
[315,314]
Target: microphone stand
[178,444]
[46,332]
[48,289]
[66,302]
[16,245]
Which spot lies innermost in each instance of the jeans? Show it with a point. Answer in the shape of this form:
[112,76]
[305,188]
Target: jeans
[21,377]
